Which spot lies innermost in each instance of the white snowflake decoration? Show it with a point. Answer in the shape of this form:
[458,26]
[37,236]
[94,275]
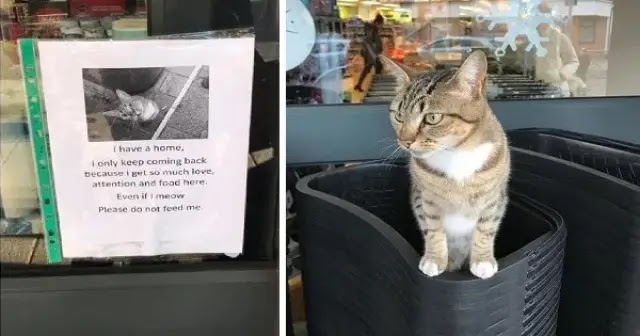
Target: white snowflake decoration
[521,19]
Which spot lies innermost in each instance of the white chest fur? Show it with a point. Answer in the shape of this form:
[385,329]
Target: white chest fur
[460,164]
[456,225]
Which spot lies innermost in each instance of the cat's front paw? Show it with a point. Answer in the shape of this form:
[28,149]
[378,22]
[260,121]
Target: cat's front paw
[484,269]
[430,267]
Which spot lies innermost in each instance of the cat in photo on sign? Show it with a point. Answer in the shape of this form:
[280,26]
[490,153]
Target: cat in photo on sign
[459,165]
[135,110]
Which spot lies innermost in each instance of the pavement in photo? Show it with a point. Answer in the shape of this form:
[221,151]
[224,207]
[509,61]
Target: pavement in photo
[191,118]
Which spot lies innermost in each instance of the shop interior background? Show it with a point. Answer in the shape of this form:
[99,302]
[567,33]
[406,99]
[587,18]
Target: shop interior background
[431,34]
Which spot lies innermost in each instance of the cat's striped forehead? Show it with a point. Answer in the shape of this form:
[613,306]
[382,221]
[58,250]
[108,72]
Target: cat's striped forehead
[413,95]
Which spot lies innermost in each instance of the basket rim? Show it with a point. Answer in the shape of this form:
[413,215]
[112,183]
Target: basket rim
[599,182]
[618,145]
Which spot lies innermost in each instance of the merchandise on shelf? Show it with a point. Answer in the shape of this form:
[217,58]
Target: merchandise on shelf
[19,11]
[35,18]
[73,19]
[129,28]
[96,8]
[45,9]
[12,31]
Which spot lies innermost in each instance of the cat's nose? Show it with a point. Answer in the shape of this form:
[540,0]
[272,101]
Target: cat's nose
[406,136]
[406,143]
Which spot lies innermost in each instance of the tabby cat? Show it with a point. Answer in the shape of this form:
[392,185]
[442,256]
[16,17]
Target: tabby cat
[134,109]
[459,164]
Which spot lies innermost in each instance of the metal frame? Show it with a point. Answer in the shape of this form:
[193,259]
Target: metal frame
[343,133]
[232,299]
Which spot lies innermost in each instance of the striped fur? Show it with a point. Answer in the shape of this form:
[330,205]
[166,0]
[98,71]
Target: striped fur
[134,109]
[459,166]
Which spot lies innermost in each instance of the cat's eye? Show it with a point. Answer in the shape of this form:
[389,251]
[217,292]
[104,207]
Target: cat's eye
[433,118]
[398,116]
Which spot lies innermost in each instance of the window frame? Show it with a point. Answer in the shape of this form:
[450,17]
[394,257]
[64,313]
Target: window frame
[446,41]
[588,23]
[324,133]
[207,290]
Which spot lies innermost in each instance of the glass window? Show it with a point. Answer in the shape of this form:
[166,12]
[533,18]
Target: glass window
[20,207]
[19,202]
[19,210]
[587,30]
[535,49]
[440,44]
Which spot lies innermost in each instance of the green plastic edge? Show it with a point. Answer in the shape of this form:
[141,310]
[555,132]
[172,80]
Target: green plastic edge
[35,115]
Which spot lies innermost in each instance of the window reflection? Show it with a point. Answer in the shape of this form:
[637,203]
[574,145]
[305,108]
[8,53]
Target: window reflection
[535,48]
[87,20]
[72,19]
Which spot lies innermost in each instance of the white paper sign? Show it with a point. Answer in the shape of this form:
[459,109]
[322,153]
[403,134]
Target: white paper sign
[149,143]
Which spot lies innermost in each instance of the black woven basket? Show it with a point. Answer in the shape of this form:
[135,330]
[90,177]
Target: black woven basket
[360,251]
[593,183]
[613,157]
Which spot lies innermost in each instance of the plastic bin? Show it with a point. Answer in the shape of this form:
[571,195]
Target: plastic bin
[600,205]
[612,157]
[360,250]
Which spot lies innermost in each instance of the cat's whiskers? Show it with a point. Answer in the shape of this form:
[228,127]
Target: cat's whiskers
[396,154]
[393,156]
[387,140]
[391,144]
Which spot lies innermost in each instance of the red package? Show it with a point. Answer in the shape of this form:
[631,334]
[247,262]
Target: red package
[96,8]
[13,31]
[48,8]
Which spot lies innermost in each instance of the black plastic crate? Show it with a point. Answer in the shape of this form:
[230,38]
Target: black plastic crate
[360,250]
[601,282]
[613,157]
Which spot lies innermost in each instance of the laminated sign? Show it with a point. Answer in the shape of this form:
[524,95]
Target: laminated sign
[147,142]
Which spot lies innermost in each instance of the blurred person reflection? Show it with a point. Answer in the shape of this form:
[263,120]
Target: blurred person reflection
[585,63]
[578,83]
[559,65]
[467,42]
[371,49]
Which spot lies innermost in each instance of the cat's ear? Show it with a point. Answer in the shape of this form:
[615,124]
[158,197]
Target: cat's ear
[123,96]
[402,77]
[471,78]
